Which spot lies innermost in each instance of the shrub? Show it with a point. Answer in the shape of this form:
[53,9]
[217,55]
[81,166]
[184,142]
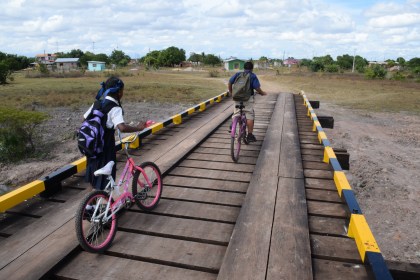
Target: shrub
[375,72]
[214,73]
[398,76]
[17,131]
[331,68]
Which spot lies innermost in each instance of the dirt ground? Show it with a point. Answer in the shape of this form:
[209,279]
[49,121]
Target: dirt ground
[384,164]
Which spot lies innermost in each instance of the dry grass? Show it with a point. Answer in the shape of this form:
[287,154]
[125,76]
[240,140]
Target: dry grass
[354,91]
[347,90]
[162,86]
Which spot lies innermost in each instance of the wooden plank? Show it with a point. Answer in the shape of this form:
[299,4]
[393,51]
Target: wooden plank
[227,166]
[335,248]
[194,210]
[203,183]
[322,184]
[327,269]
[312,158]
[175,252]
[204,196]
[316,165]
[251,147]
[290,158]
[211,174]
[86,267]
[52,249]
[323,195]
[11,223]
[187,229]
[312,152]
[320,174]
[327,209]
[328,226]
[223,158]
[248,250]
[212,151]
[290,253]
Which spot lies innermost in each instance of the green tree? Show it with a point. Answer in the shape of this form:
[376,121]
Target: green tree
[401,61]
[151,59]
[360,64]
[5,72]
[345,62]
[375,71]
[101,57]
[171,56]
[263,58]
[413,63]
[195,57]
[212,60]
[88,56]
[119,58]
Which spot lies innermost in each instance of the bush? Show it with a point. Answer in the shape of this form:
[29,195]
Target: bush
[331,68]
[375,72]
[398,76]
[214,73]
[5,72]
[17,131]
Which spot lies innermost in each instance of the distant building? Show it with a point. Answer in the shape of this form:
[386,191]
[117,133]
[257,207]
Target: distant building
[96,66]
[234,63]
[67,64]
[290,62]
[46,58]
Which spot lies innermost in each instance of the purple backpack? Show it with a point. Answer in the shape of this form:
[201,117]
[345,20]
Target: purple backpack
[90,136]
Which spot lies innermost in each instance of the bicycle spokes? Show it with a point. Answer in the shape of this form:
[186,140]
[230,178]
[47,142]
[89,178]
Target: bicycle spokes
[147,186]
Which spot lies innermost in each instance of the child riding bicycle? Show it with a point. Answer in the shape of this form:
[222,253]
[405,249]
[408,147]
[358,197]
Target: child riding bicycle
[249,104]
[113,90]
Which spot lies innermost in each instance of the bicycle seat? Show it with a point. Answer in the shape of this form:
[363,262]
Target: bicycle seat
[240,106]
[106,170]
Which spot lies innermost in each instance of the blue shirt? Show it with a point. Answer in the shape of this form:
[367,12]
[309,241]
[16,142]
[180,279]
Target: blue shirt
[255,83]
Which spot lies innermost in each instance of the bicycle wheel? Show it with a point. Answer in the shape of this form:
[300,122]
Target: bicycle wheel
[94,234]
[147,196]
[235,140]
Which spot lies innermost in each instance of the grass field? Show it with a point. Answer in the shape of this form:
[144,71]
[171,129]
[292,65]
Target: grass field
[354,91]
[162,86]
[192,87]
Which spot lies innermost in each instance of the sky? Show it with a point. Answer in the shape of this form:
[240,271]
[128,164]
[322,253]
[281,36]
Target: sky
[375,30]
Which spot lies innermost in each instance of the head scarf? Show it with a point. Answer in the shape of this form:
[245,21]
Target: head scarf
[102,93]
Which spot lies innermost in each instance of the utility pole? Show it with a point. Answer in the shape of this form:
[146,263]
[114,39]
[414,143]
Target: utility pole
[93,46]
[354,59]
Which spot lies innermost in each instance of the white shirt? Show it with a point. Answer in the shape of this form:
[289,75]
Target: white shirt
[115,116]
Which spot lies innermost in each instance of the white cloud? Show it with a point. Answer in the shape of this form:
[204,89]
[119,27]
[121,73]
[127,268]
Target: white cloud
[401,20]
[243,28]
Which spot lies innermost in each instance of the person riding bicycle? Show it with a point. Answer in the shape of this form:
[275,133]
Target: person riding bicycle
[249,105]
[113,88]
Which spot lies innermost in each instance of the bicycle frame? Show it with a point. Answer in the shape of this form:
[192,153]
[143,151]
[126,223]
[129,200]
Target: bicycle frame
[126,195]
[241,120]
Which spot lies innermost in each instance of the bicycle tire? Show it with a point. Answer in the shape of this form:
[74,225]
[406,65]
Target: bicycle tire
[95,236]
[147,199]
[235,140]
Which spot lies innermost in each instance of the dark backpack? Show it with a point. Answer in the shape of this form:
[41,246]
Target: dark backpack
[241,90]
[90,136]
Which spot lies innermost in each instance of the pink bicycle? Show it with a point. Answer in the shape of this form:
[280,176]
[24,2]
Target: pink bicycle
[96,216]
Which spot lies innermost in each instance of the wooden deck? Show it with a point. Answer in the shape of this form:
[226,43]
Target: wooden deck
[273,215]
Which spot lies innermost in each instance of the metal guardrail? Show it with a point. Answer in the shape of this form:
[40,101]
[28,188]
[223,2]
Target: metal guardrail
[49,183]
[358,228]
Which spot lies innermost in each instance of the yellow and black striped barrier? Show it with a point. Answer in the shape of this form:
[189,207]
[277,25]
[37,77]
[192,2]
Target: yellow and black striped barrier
[358,228]
[50,183]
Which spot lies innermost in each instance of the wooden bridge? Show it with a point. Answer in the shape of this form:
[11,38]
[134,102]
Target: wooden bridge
[284,211]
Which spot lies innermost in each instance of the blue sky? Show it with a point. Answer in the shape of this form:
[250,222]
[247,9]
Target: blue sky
[376,30]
